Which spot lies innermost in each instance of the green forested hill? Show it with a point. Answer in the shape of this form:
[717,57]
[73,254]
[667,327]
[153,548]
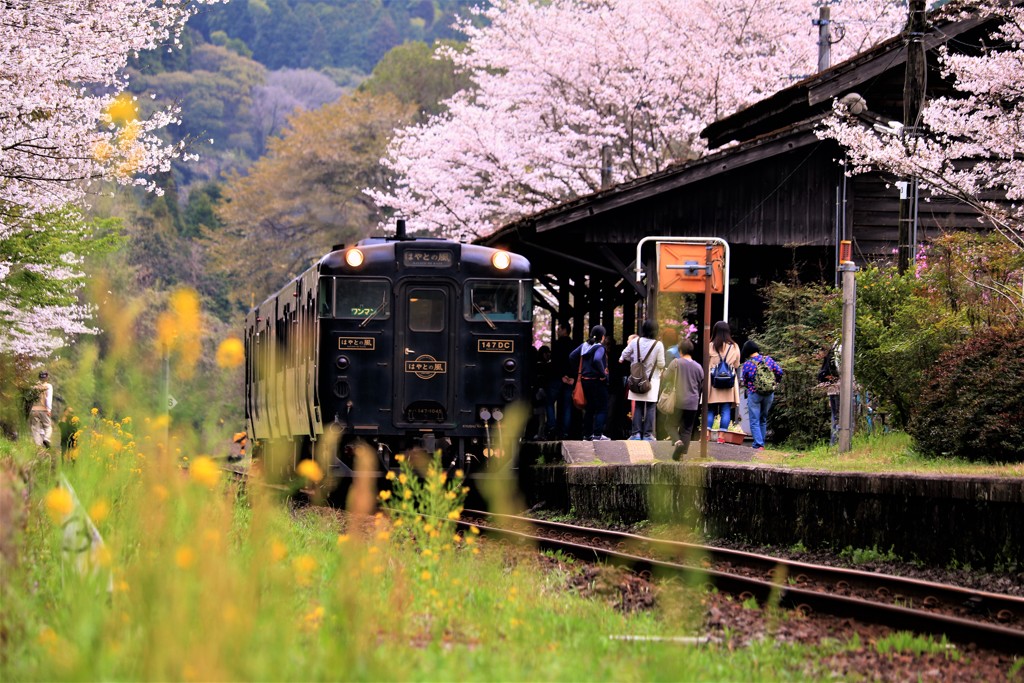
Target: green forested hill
[303,34]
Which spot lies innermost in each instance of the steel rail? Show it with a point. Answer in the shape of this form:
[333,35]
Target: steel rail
[955,628]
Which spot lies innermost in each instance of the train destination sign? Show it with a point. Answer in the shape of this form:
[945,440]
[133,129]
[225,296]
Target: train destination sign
[425,367]
[495,345]
[356,343]
[427,258]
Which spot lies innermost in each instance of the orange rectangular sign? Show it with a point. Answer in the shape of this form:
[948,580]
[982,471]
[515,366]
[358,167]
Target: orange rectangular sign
[676,279]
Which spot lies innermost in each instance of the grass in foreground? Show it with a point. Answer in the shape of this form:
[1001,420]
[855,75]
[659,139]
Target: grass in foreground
[198,581]
[892,452]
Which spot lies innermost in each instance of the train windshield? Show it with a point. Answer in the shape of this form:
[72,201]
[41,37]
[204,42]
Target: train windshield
[354,299]
[497,301]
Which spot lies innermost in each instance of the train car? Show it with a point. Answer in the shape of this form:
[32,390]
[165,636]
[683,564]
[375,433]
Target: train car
[397,342]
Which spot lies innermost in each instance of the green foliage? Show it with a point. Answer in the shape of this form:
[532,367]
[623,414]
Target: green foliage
[868,555]
[413,74]
[971,404]
[801,323]
[57,240]
[906,642]
[900,332]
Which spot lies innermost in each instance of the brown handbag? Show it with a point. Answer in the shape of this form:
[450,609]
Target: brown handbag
[578,398]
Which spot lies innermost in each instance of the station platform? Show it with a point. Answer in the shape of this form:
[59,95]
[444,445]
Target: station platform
[638,452]
[936,519]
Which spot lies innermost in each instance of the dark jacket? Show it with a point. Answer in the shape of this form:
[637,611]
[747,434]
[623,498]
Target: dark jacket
[595,361]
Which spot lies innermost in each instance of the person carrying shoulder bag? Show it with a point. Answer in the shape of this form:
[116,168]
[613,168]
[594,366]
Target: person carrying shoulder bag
[594,377]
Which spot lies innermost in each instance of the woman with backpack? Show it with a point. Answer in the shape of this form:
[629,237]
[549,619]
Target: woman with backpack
[645,355]
[591,363]
[760,375]
[723,361]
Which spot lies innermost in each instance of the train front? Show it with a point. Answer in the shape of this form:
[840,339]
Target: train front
[423,342]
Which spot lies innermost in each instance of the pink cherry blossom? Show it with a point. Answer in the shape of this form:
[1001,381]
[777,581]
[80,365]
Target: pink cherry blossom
[559,85]
[968,145]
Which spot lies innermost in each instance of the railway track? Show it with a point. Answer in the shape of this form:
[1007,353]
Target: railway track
[963,615]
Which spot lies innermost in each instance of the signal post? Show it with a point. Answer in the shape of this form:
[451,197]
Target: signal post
[693,265]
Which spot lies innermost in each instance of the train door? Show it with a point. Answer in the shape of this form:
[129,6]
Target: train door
[425,356]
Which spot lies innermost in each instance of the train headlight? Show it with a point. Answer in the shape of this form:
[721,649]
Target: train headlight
[343,363]
[354,257]
[501,260]
[509,364]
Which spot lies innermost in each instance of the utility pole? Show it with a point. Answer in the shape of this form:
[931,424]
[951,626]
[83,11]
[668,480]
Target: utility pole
[846,388]
[913,100]
[824,37]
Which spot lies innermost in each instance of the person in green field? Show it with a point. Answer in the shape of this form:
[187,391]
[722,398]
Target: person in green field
[39,421]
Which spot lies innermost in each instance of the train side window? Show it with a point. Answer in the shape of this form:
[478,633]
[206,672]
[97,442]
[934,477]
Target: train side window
[325,297]
[362,299]
[426,310]
[526,309]
[495,300]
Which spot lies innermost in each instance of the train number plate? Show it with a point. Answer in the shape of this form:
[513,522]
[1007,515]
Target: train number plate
[425,411]
[495,345]
[427,258]
[356,343]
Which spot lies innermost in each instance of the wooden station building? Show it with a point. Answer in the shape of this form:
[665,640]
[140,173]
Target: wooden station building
[773,189]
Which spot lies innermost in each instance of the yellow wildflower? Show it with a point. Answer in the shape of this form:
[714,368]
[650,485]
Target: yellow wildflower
[59,504]
[402,479]
[304,566]
[342,539]
[184,557]
[383,535]
[407,494]
[425,575]
[427,552]
[161,492]
[95,411]
[459,474]
[450,495]
[399,458]
[204,471]
[390,476]
[230,353]
[278,550]
[475,531]
[384,495]
[455,514]
[311,470]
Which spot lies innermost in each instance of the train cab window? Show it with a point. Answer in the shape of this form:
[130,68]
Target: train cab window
[354,299]
[325,297]
[493,300]
[426,310]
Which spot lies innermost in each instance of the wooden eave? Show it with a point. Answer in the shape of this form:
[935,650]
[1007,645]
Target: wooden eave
[777,142]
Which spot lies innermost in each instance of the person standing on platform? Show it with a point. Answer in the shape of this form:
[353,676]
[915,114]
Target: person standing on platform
[651,353]
[667,425]
[722,348]
[39,421]
[559,398]
[760,374]
[594,375]
[688,376]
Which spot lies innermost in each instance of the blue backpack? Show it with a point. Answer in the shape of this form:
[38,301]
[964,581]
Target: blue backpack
[723,376]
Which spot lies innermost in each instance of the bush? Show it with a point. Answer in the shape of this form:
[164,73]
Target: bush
[971,406]
[800,325]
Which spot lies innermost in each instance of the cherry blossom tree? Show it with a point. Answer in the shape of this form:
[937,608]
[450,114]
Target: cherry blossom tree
[970,144]
[560,85]
[64,123]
